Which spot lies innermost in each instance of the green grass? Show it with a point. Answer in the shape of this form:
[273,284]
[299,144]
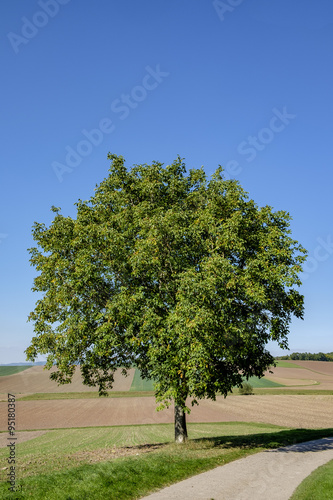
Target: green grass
[139,384]
[262,382]
[274,390]
[66,441]
[287,364]
[50,467]
[83,395]
[11,370]
[317,486]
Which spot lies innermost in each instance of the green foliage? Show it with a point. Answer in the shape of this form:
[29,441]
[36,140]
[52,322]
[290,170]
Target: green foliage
[246,389]
[308,356]
[187,278]
[320,356]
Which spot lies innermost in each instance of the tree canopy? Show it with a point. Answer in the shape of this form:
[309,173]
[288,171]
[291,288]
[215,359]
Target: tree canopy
[185,277]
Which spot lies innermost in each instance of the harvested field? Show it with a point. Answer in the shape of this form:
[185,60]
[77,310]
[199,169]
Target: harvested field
[311,411]
[288,410]
[36,380]
[292,376]
[325,367]
[312,373]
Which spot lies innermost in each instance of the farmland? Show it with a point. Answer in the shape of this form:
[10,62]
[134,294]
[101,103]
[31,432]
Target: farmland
[39,406]
[73,435]
[35,379]
[11,370]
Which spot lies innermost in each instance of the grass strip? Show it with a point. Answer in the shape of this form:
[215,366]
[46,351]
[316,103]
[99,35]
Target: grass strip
[122,479]
[82,395]
[132,394]
[287,364]
[318,486]
[292,392]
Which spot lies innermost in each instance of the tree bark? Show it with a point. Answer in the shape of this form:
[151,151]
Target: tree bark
[180,425]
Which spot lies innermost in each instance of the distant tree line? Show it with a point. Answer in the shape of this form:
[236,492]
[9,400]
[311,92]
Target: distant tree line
[304,356]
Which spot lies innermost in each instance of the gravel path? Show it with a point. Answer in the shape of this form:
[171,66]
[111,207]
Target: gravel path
[273,474]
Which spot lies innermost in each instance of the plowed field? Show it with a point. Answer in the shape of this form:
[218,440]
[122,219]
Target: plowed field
[311,411]
[289,410]
[37,380]
[311,373]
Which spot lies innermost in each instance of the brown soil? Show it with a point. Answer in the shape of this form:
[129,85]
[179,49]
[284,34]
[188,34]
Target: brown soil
[289,410]
[309,375]
[325,367]
[37,380]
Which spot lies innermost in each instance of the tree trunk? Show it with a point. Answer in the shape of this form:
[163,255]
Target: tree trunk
[180,425]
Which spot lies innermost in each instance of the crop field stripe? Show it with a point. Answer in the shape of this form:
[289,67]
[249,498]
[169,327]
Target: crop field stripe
[139,384]
[287,364]
[263,382]
[83,395]
[11,370]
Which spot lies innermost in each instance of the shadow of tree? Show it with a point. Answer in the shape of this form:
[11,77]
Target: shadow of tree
[271,440]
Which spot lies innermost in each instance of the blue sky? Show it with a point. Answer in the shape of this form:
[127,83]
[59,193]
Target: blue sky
[245,84]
